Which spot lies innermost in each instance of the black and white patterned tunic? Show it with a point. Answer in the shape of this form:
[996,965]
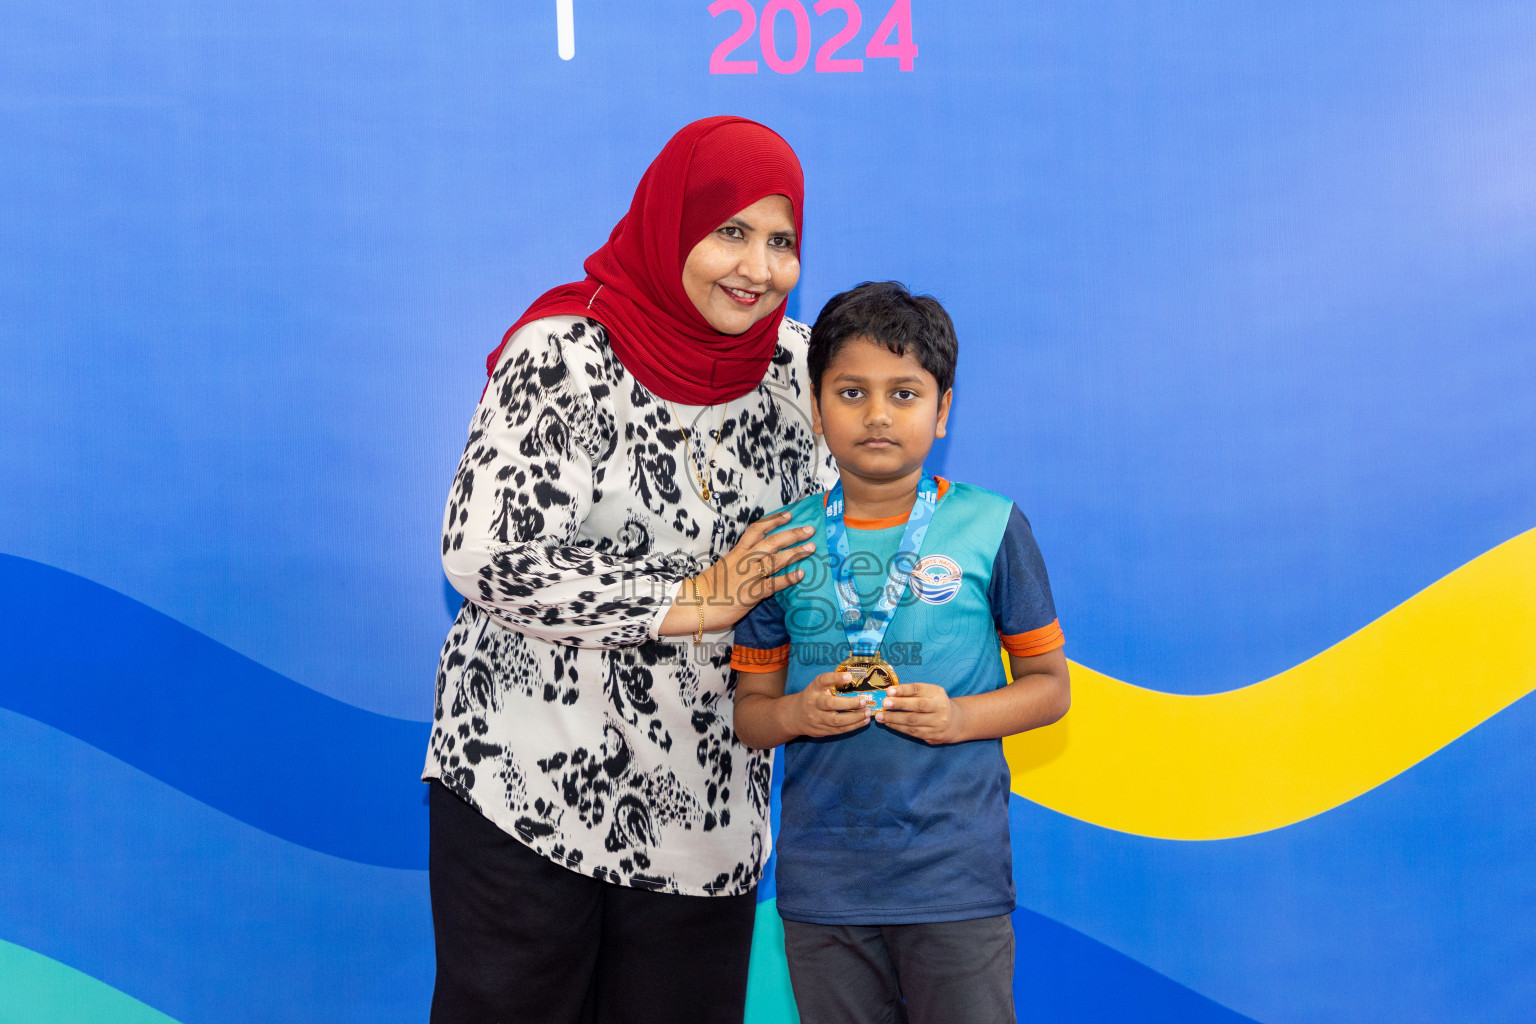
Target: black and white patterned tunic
[573,517]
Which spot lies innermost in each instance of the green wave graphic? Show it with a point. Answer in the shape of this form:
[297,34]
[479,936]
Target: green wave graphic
[37,990]
[770,1000]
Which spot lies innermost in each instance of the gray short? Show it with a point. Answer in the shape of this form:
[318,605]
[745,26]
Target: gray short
[954,972]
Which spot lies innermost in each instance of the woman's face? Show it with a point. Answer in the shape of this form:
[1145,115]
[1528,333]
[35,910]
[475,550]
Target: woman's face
[742,270]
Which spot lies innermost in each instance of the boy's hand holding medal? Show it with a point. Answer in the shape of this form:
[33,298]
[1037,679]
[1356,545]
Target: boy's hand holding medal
[819,710]
[922,711]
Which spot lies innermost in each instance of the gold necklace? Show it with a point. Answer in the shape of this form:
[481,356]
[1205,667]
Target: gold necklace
[693,464]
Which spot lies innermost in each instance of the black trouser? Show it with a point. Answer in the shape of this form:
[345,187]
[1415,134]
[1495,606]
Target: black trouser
[522,940]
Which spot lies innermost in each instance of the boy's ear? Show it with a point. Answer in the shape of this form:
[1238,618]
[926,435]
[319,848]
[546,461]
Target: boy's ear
[815,413]
[944,411]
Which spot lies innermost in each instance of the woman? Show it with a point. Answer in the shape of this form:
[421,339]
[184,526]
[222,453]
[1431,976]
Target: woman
[597,831]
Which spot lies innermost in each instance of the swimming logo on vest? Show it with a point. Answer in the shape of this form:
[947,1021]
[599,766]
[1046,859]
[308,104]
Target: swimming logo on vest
[936,579]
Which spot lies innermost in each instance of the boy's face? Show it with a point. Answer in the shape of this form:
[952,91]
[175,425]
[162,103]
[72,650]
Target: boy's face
[878,411]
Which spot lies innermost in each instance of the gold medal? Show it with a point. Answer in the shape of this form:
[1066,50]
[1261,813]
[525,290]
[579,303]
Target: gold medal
[870,672]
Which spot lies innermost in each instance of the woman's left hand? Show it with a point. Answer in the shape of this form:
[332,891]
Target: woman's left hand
[923,711]
[722,594]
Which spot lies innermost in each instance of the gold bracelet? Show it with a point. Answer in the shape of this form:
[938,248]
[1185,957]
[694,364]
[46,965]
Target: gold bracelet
[698,637]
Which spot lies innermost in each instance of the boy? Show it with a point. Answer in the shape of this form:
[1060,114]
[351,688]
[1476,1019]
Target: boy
[895,875]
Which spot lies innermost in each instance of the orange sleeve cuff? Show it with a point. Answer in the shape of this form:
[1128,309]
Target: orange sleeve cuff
[752,659]
[1036,641]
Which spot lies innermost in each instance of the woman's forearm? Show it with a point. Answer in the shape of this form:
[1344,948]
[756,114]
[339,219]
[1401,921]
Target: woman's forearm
[682,618]
[570,594]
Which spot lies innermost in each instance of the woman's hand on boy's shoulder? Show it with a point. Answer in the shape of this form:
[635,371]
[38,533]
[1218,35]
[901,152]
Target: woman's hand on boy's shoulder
[923,711]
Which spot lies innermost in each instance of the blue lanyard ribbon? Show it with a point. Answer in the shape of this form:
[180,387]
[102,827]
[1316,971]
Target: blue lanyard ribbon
[865,631]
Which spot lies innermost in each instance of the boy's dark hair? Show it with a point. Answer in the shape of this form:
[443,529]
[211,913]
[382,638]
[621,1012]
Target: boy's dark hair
[892,316]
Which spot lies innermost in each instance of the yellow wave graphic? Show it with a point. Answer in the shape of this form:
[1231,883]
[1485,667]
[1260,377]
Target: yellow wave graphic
[1305,741]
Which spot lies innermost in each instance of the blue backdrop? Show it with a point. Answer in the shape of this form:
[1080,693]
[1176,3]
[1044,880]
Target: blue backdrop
[1245,299]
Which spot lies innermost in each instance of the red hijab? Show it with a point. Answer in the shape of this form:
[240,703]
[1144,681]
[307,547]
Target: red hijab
[709,171]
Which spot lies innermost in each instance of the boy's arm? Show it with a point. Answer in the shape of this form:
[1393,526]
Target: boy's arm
[766,718]
[1039,695]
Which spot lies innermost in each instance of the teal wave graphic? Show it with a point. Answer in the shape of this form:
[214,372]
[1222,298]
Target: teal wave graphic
[209,721]
[34,988]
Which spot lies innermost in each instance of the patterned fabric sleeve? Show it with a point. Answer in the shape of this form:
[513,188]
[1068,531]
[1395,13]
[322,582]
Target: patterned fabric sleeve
[1020,593]
[524,486]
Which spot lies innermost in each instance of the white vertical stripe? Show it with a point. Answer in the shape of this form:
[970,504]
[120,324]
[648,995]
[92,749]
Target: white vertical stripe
[565,27]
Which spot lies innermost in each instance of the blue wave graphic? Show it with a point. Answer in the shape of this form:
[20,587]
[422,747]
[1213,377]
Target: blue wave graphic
[1394,907]
[210,721]
[1060,974]
[1398,907]
[104,863]
[190,912]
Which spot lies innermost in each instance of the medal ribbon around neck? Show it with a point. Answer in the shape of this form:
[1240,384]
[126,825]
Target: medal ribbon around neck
[865,639]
